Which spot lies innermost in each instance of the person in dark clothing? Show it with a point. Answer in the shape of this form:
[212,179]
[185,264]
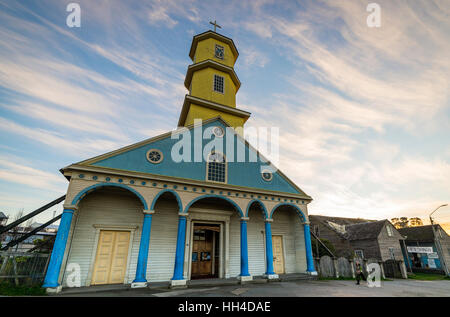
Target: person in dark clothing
[359,273]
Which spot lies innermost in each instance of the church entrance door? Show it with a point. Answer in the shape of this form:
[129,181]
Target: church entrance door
[111,259]
[278,254]
[205,251]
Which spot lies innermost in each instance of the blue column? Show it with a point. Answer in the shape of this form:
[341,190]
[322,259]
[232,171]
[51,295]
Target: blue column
[141,269]
[244,249]
[309,255]
[179,256]
[54,266]
[269,249]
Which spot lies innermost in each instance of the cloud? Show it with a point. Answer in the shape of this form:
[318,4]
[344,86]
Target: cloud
[253,57]
[25,174]
[86,146]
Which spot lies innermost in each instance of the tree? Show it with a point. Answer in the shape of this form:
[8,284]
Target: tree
[405,222]
[415,222]
[322,250]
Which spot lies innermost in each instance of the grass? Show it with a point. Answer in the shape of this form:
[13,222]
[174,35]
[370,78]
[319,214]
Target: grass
[10,289]
[427,277]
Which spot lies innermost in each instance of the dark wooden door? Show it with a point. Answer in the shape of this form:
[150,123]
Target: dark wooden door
[392,269]
[202,253]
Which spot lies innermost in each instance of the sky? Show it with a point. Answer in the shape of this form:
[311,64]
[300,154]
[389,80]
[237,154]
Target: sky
[363,113]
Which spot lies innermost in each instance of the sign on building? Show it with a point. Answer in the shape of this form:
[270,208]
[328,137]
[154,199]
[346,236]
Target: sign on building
[433,255]
[420,249]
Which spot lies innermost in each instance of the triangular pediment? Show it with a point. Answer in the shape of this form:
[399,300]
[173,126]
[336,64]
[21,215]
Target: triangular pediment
[247,174]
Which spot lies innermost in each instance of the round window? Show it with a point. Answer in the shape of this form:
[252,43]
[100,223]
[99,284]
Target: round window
[266,175]
[154,156]
[218,132]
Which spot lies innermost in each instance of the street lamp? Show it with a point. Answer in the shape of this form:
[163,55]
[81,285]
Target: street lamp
[438,245]
[431,219]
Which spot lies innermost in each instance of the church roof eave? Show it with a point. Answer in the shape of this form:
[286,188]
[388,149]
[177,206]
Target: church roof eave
[210,63]
[208,104]
[211,34]
[188,181]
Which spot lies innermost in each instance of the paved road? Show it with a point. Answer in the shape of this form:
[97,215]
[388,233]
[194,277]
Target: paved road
[296,289]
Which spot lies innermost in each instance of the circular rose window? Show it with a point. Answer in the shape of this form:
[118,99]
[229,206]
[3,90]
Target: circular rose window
[266,175]
[154,156]
[218,132]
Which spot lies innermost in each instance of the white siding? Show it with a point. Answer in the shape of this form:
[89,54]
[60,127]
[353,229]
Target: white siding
[256,243]
[163,242]
[235,246]
[103,209]
[300,250]
[287,224]
[126,210]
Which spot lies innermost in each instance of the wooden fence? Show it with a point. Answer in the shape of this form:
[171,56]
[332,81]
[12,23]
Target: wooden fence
[342,267]
[23,267]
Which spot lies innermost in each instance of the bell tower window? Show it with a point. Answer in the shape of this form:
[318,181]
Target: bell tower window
[219,51]
[219,84]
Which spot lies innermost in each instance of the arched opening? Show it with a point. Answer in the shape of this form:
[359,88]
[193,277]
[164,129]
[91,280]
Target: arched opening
[288,240]
[168,196]
[107,223]
[163,240]
[256,213]
[82,194]
[213,229]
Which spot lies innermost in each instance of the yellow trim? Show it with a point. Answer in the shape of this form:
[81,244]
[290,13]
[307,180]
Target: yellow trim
[212,64]
[216,107]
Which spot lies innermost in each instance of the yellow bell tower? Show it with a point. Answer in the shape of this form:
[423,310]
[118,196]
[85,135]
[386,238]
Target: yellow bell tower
[212,82]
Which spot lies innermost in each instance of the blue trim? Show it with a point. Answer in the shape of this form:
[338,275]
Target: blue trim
[244,249]
[80,195]
[179,255]
[297,208]
[238,209]
[260,203]
[141,268]
[269,250]
[308,249]
[54,267]
[180,205]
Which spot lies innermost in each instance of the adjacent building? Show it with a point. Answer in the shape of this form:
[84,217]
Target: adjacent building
[367,239]
[427,249]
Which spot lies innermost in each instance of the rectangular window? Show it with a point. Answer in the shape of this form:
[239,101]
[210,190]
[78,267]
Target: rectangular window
[359,254]
[389,231]
[391,253]
[218,83]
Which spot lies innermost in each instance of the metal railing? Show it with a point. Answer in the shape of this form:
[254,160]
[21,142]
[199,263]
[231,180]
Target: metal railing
[23,267]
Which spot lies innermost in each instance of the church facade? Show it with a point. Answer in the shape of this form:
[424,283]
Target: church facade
[153,211]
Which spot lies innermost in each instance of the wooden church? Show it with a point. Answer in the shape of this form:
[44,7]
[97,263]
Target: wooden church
[137,216]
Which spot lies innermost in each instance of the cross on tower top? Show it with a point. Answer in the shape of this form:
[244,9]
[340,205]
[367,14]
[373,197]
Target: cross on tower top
[215,25]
